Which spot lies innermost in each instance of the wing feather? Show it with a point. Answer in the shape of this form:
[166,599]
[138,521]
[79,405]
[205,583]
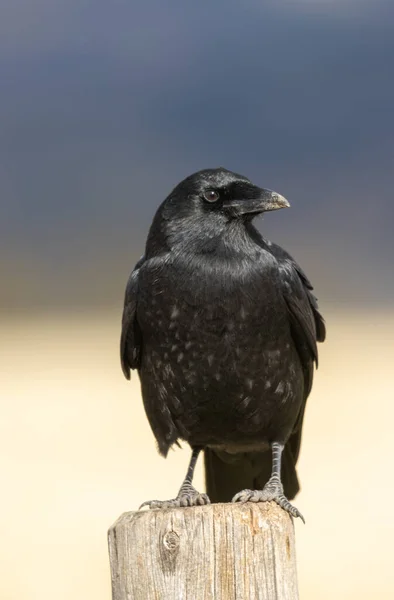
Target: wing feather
[131,339]
[306,324]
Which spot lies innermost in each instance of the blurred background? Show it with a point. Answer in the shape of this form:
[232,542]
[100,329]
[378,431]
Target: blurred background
[104,107]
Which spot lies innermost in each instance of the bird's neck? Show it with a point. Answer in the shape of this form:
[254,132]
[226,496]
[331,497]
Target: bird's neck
[236,238]
[227,238]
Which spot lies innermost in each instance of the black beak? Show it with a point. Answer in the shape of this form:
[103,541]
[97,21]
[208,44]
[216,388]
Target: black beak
[257,200]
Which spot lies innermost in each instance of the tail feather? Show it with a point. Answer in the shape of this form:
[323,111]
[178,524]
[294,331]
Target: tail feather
[227,474]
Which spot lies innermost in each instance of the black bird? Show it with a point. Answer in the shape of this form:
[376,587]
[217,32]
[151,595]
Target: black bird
[222,326]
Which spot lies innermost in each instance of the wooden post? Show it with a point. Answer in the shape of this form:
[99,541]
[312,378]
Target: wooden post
[215,552]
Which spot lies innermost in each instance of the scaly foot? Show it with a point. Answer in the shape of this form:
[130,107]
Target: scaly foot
[188,496]
[273,490]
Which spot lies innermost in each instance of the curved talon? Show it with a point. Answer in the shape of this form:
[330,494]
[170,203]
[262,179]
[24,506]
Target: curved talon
[266,495]
[283,502]
[150,503]
[203,499]
[183,501]
[244,496]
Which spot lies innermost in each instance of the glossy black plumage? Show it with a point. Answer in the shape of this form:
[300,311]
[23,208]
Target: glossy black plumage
[222,326]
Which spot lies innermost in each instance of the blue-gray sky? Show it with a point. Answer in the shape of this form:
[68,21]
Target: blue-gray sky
[105,106]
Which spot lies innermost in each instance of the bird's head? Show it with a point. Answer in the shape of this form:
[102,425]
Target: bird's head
[222,193]
[203,205]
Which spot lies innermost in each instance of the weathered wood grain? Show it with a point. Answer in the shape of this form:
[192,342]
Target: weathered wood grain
[216,552]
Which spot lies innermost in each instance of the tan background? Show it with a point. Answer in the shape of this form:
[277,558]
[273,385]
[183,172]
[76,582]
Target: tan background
[76,452]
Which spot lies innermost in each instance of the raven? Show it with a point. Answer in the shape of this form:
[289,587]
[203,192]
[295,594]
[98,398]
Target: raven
[222,326]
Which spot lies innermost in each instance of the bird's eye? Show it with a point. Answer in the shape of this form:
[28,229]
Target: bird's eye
[211,196]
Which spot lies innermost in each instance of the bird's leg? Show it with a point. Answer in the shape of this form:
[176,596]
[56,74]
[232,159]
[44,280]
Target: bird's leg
[187,495]
[273,489]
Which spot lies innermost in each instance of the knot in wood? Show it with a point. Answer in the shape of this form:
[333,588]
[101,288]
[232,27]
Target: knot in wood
[171,541]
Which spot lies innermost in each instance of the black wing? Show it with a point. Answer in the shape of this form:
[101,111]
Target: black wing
[306,324]
[130,341]
[225,474]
